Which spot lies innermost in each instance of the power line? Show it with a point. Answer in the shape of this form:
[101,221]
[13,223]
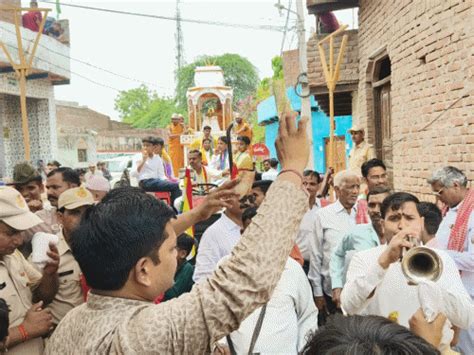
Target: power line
[72,72]
[170,18]
[90,64]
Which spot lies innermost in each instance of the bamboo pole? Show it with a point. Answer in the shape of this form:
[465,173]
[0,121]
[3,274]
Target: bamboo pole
[37,39]
[23,68]
[331,75]
[10,59]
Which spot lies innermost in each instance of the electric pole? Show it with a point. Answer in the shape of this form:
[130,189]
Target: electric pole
[303,78]
[179,39]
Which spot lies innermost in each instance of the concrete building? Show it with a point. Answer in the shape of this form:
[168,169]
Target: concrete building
[85,135]
[50,67]
[410,79]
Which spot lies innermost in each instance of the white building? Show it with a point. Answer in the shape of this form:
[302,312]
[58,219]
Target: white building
[51,66]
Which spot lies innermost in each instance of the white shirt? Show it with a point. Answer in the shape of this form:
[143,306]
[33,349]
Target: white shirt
[152,169]
[393,294]
[216,161]
[217,241]
[465,260]
[289,316]
[306,230]
[271,174]
[208,155]
[332,223]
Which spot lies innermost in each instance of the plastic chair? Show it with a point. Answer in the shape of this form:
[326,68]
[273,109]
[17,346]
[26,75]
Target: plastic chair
[163,196]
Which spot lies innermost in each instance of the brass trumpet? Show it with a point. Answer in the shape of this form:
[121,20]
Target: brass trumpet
[421,263]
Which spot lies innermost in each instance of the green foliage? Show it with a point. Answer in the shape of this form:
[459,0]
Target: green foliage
[264,90]
[239,74]
[143,108]
[277,66]
[133,101]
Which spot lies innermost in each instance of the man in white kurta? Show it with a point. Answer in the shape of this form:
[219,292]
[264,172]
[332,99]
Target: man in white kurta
[375,282]
[289,317]
[449,184]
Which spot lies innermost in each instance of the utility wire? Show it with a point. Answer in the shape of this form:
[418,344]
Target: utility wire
[90,64]
[286,27]
[72,72]
[171,18]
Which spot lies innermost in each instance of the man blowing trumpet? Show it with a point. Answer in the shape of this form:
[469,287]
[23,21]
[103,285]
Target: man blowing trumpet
[376,284]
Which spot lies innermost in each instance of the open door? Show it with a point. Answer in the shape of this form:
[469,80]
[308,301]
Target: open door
[340,146]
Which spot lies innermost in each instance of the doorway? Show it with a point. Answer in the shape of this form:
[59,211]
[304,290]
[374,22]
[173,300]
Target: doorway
[383,111]
[340,154]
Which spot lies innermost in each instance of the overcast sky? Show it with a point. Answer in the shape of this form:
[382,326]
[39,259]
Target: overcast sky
[144,49]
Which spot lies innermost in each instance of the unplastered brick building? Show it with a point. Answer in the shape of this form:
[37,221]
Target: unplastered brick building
[415,88]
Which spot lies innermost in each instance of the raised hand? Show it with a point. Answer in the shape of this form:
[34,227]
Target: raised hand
[292,143]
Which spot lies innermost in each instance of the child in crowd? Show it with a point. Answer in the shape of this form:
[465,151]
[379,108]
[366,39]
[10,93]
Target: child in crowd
[183,279]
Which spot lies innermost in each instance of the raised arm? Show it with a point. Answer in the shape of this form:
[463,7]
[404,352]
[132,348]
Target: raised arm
[241,284]
[362,279]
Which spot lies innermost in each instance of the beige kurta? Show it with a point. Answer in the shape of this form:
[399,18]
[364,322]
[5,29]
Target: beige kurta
[191,323]
[359,155]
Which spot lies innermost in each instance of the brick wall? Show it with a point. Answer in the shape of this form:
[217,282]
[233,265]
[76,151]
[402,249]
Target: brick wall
[126,139]
[431,48]
[73,115]
[74,120]
[8,16]
[349,68]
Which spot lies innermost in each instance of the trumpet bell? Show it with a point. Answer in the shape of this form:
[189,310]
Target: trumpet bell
[422,264]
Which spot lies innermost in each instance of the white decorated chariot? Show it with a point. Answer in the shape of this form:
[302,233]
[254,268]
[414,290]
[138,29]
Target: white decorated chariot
[209,104]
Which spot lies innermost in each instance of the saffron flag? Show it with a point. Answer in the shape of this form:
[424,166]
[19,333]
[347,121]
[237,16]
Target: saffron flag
[188,204]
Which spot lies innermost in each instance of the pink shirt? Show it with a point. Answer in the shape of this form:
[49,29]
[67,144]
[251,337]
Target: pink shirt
[31,20]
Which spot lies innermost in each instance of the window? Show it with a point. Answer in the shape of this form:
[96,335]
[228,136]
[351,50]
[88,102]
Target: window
[379,76]
[82,155]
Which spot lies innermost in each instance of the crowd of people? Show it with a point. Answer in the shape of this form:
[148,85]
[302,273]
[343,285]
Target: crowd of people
[301,262]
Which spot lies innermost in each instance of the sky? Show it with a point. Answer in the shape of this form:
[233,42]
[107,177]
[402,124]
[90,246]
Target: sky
[143,49]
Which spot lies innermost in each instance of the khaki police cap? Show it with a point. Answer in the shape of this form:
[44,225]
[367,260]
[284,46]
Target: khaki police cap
[356,128]
[14,211]
[74,198]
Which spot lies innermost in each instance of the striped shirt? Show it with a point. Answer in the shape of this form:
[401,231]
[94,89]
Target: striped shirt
[330,226]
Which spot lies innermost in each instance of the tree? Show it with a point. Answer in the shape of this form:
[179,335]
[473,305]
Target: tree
[131,102]
[143,108]
[239,74]
[248,106]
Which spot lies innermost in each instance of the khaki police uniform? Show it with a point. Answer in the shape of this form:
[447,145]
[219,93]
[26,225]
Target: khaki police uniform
[70,291]
[18,278]
[360,153]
